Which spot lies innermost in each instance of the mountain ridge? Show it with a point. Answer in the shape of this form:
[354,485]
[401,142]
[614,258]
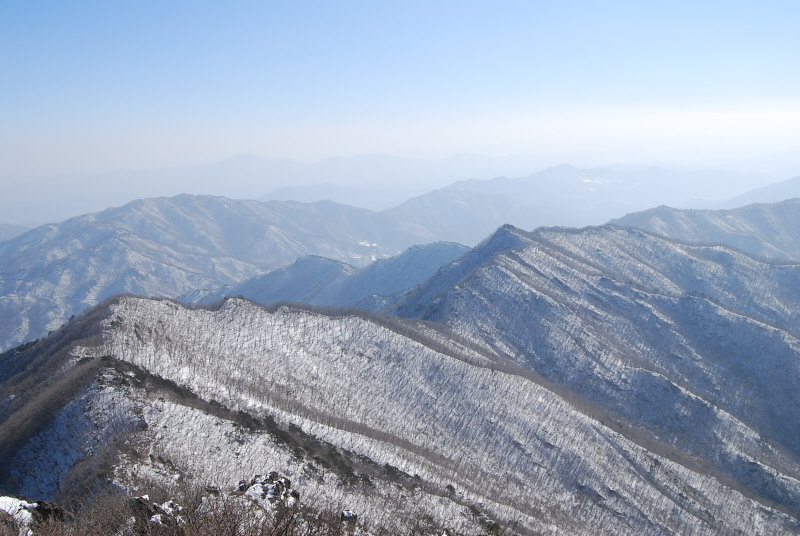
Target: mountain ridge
[329,374]
[585,328]
[760,229]
[169,246]
[612,375]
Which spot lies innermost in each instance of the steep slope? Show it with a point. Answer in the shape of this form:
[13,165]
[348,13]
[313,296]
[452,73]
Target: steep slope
[321,281]
[481,436]
[169,246]
[697,345]
[764,230]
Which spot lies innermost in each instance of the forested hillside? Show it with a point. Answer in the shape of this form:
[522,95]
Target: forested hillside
[583,381]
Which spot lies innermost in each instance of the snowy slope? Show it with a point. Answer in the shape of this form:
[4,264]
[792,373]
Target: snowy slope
[320,281]
[431,406]
[170,246]
[698,345]
[764,230]
[561,381]
[593,381]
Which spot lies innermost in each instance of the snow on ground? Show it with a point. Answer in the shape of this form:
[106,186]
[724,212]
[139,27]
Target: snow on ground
[19,511]
[499,438]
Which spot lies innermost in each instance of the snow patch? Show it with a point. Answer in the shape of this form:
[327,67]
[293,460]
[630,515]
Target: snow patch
[20,512]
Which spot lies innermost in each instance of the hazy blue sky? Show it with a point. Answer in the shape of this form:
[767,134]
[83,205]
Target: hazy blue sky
[91,86]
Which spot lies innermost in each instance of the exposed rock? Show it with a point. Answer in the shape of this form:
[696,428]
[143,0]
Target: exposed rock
[269,491]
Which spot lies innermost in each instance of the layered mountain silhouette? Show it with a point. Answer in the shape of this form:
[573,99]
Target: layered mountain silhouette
[170,246]
[562,195]
[585,381]
[772,193]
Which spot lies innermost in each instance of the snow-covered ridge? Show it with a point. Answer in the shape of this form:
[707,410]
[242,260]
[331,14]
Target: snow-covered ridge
[197,244]
[697,344]
[524,451]
[572,381]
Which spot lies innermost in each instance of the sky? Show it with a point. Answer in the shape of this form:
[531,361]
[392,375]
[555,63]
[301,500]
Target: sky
[96,86]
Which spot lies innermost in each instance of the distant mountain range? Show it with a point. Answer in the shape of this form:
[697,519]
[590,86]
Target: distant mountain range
[554,193]
[564,195]
[197,244]
[764,230]
[376,182]
[248,176]
[593,381]
[318,280]
[170,246]
[771,193]
[373,198]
